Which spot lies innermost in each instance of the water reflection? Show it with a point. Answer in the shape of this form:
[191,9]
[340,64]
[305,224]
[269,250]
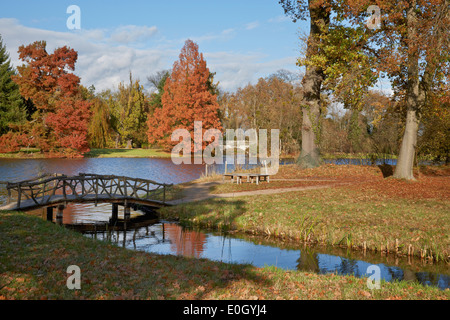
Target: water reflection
[169,238]
[160,170]
[166,238]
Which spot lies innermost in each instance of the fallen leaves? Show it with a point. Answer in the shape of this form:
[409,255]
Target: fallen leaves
[365,294]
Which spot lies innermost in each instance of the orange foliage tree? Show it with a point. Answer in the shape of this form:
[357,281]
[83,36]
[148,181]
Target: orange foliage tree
[187,98]
[60,122]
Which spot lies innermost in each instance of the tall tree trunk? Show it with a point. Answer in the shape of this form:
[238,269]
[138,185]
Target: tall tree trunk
[310,154]
[405,161]
[418,90]
[312,83]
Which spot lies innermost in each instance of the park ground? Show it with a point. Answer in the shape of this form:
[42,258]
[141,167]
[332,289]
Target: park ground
[361,207]
[32,153]
[367,209]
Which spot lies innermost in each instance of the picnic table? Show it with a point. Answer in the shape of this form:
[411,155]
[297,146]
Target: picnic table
[250,177]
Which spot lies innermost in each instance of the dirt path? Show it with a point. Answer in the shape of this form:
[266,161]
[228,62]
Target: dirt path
[201,191]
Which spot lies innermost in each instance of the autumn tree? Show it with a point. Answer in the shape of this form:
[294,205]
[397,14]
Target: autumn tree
[271,103]
[434,141]
[384,122]
[412,49]
[339,66]
[61,118]
[319,13]
[187,98]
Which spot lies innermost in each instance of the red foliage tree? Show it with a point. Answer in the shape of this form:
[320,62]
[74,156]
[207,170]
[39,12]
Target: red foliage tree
[70,123]
[187,98]
[60,122]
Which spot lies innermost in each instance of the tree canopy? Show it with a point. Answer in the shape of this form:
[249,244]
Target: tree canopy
[187,98]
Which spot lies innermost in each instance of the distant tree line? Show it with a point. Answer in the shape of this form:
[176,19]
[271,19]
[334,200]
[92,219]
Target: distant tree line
[328,109]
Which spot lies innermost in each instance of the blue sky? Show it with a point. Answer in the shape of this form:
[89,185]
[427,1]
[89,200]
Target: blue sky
[241,40]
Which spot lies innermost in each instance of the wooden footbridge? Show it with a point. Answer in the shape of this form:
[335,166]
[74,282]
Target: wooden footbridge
[58,190]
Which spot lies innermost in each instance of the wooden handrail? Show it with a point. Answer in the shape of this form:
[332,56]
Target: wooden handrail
[91,185]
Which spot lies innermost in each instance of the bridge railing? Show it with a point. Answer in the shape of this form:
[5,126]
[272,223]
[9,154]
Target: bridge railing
[92,187]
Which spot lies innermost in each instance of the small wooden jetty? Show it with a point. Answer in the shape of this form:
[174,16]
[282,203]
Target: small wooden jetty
[57,190]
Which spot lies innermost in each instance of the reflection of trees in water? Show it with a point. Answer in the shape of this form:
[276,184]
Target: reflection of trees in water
[308,260]
[128,239]
[399,274]
[185,242]
[426,278]
[433,279]
[348,266]
[192,243]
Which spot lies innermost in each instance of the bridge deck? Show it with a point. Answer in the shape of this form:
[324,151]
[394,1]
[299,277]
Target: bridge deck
[29,204]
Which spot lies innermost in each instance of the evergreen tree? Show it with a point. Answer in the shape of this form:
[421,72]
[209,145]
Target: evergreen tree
[12,105]
[155,98]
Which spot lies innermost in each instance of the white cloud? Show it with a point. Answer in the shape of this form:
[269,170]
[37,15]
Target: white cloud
[105,57]
[252,25]
[236,70]
[130,33]
[101,60]
[279,19]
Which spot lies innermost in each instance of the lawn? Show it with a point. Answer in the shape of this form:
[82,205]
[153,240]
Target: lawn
[369,212]
[93,153]
[35,255]
[127,153]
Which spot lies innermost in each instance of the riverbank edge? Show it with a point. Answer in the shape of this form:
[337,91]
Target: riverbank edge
[93,153]
[35,254]
[182,212]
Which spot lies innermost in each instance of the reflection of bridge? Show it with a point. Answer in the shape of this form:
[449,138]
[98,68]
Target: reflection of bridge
[57,190]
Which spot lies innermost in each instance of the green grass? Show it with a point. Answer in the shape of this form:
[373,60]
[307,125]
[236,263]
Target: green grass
[337,216]
[173,192]
[264,185]
[127,153]
[24,153]
[35,254]
[94,153]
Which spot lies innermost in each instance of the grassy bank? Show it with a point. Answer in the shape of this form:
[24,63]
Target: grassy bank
[127,153]
[371,212]
[93,153]
[35,254]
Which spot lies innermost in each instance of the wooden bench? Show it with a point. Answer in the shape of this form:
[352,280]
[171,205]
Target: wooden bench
[250,177]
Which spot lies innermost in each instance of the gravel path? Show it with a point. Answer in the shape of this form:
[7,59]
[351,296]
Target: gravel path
[200,191]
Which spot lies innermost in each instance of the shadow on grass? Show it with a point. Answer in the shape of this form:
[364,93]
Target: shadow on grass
[35,256]
[387,170]
[216,213]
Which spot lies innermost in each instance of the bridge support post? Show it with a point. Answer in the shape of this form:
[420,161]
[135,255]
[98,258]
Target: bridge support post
[126,214]
[59,214]
[49,213]
[115,213]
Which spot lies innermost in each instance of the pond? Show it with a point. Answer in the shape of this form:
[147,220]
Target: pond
[168,238]
[163,237]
